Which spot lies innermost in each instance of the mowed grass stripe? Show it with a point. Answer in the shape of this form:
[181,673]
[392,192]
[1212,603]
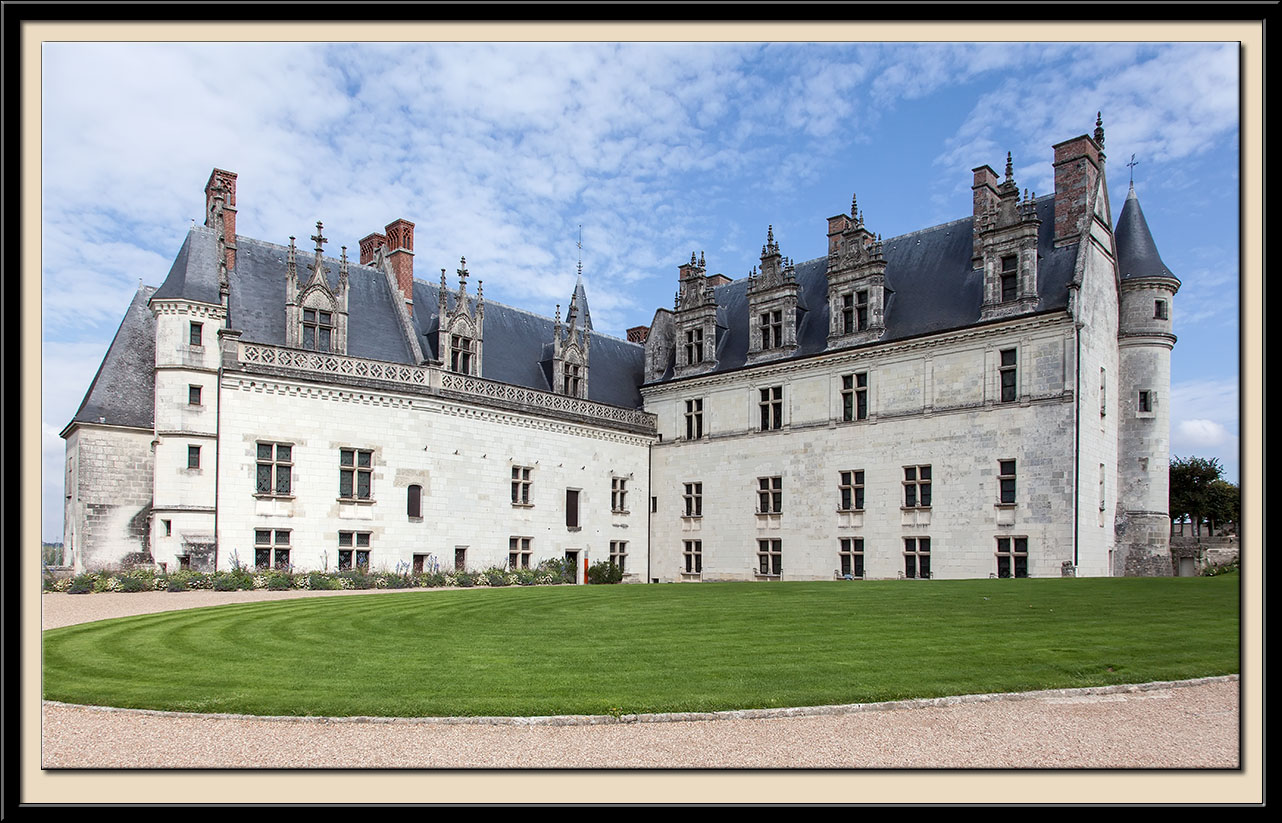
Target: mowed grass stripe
[597,649]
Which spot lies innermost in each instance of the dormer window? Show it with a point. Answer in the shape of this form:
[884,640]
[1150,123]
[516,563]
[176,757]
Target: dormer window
[573,379]
[772,330]
[461,349]
[318,330]
[694,346]
[1010,278]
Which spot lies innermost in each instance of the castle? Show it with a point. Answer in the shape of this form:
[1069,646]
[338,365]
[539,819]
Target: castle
[986,397]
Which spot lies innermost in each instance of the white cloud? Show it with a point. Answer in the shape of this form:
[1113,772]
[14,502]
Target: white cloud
[1199,433]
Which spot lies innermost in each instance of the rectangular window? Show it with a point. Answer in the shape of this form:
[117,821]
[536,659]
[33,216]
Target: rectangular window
[353,550]
[1103,404]
[694,419]
[461,349]
[771,405]
[847,313]
[460,558]
[193,457]
[275,463]
[318,329]
[193,395]
[271,548]
[1012,557]
[573,383]
[196,337]
[1006,481]
[1159,310]
[355,474]
[851,489]
[572,508]
[917,557]
[854,396]
[770,557]
[518,553]
[917,487]
[169,527]
[694,499]
[769,495]
[414,501]
[861,309]
[521,486]
[1146,401]
[619,494]
[619,554]
[852,556]
[694,346]
[771,329]
[1010,278]
[693,555]
[1007,372]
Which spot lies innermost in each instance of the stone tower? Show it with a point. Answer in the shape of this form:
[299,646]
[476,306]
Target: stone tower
[1145,340]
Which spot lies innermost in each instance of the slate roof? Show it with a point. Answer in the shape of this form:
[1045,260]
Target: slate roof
[1136,252]
[123,392]
[930,287]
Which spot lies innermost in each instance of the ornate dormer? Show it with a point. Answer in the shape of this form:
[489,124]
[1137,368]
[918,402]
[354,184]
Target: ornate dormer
[462,330]
[695,319]
[856,281]
[315,314]
[570,347]
[773,310]
[1005,244]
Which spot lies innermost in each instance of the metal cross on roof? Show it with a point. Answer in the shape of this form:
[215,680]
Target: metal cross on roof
[1132,166]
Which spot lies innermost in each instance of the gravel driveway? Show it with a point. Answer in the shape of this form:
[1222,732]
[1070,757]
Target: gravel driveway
[1192,724]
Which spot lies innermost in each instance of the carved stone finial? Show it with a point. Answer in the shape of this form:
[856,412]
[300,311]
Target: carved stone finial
[854,205]
[1099,129]
[320,238]
[701,263]
[1009,168]
[462,272]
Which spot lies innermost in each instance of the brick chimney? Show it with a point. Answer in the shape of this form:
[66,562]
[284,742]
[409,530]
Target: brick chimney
[985,196]
[370,244]
[400,254]
[1077,171]
[638,334]
[718,280]
[224,182]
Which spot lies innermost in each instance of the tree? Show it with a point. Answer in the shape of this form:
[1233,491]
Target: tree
[1190,488]
[1224,503]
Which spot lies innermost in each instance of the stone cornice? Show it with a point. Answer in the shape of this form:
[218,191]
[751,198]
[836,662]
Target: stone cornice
[821,361]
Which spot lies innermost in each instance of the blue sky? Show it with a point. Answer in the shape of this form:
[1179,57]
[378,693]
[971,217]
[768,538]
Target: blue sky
[499,152]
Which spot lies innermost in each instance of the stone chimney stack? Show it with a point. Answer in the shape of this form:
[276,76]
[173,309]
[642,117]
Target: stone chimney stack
[986,200]
[638,334]
[1078,164]
[224,183]
[400,254]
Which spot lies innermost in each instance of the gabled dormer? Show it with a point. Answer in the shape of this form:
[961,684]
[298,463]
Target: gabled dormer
[462,330]
[695,320]
[1005,244]
[856,281]
[773,309]
[570,349]
[315,314]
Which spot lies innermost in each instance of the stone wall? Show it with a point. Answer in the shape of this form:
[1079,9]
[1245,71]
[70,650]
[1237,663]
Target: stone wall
[108,507]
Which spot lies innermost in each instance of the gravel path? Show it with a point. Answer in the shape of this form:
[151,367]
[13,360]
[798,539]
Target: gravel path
[1185,725]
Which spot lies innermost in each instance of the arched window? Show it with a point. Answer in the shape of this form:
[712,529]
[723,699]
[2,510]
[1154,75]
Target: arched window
[414,502]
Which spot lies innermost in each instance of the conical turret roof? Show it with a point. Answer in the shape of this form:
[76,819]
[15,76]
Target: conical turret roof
[1136,252]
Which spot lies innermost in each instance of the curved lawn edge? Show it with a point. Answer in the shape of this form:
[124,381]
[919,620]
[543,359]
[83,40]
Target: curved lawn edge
[685,717]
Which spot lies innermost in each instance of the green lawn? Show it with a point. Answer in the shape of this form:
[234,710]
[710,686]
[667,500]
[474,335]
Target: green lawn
[697,647]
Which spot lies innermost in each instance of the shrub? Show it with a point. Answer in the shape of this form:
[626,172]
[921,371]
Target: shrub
[320,581]
[559,569]
[133,583]
[1227,568]
[81,584]
[495,576]
[176,584]
[603,571]
[357,578]
[465,579]
[433,580]
[396,581]
[278,581]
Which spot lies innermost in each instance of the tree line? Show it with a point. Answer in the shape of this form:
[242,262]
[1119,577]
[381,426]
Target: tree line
[1200,494]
